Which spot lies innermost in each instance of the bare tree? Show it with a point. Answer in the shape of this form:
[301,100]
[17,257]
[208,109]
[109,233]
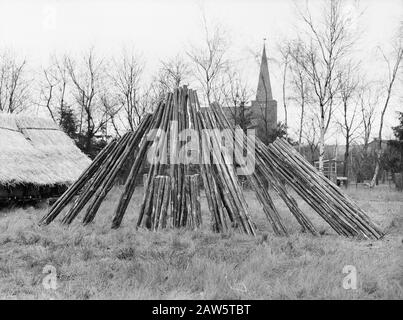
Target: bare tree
[14,86]
[209,61]
[368,100]
[301,90]
[53,87]
[173,73]
[348,86]
[286,57]
[88,78]
[150,97]
[331,41]
[393,63]
[311,136]
[47,89]
[126,79]
[111,106]
[236,95]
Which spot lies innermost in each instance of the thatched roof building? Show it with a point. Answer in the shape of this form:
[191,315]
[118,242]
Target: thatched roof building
[34,151]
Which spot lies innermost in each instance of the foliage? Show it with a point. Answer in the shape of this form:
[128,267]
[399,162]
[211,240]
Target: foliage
[279,132]
[97,144]
[363,165]
[242,116]
[398,130]
[392,158]
[68,121]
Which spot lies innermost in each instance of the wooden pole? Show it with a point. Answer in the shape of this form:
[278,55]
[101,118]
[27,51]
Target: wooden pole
[107,184]
[254,179]
[350,215]
[93,185]
[192,194]
[86,176]
[155,168]
[155,218]
[130,184]
[217,210]
[231,191]
[166,199]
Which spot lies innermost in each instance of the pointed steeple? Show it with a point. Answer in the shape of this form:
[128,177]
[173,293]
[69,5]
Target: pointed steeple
[263,92]
[264,107]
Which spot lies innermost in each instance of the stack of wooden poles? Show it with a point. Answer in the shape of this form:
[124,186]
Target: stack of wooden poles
[340,212]
[282,165]
[171,190]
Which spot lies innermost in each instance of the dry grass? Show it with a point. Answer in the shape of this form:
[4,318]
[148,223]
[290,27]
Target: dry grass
[97,262]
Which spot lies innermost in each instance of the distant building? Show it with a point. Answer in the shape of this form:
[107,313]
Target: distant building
[373,145]
[263,110]
[264,106]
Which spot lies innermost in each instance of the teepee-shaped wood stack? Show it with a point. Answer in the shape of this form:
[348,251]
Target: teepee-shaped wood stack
[171,192]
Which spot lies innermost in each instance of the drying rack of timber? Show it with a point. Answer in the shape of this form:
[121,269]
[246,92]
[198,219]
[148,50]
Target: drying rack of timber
[171,192]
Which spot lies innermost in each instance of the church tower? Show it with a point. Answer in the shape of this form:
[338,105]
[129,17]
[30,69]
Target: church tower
[264,107]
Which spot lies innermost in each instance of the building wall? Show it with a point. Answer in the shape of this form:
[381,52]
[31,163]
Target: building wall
[259,110]
[257,113]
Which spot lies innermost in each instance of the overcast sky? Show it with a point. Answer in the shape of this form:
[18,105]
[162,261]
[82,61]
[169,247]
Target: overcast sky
[160,29]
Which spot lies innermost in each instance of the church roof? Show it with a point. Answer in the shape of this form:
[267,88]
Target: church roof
[263,92]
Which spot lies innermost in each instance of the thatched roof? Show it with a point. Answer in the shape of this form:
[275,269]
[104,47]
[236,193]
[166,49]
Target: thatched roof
[35,150]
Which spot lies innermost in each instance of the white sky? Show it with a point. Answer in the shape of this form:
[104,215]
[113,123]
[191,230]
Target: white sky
[160,29]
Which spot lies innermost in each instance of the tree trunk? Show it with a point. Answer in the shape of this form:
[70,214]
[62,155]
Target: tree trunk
[284,100]
[88,146]
[88,136]
[301,122]
[365,147]
[322,139]
[377,167]
[379,151]
[392,77]
[346,157]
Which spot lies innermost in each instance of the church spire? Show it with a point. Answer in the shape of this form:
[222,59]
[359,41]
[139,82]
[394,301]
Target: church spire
[263,92]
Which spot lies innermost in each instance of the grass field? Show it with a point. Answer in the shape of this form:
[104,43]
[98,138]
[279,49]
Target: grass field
[96,262]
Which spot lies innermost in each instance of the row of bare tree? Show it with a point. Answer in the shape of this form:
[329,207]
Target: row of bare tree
[325,79]
[89,95]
